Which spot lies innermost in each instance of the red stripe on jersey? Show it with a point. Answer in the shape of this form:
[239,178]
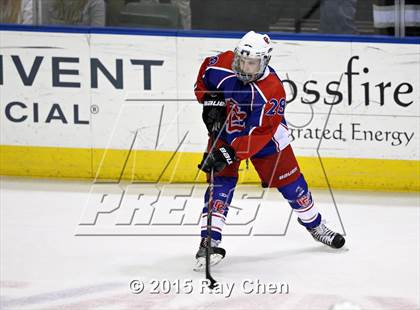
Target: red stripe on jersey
[200,88]
[223,60]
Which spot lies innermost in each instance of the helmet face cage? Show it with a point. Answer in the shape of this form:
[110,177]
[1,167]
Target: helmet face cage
[242,56]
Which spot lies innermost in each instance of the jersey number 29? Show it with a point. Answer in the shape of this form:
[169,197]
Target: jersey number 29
[276,107]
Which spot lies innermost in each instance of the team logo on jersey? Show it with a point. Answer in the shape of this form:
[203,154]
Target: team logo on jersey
[213,60]
[266,40]
[236,117]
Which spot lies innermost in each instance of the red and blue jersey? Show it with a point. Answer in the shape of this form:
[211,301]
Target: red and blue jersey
[255,126]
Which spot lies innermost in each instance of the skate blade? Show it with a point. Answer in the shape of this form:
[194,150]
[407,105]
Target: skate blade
[201,262]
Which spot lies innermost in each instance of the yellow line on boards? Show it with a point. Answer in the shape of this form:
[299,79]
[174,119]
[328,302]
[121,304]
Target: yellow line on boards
[165,166]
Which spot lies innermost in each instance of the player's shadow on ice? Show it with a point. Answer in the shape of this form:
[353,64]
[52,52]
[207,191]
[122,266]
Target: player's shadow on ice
[233,259]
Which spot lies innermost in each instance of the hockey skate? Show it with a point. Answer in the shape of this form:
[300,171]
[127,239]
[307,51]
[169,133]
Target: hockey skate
[326,236]
[216,254]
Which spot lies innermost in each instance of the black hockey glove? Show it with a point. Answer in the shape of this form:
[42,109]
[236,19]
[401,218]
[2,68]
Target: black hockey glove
[214,111]
[218,159]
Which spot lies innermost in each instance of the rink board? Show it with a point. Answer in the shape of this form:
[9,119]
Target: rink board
[161,166]
[111,104]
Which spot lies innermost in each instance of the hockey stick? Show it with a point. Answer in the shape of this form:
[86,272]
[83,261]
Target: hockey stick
[212,281]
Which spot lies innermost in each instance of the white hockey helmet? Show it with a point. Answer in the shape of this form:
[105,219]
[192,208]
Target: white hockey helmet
[252,55]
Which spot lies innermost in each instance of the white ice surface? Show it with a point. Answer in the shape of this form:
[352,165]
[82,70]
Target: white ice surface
[44,265]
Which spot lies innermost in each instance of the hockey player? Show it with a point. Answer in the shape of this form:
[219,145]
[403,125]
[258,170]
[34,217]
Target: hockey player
[244,100]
